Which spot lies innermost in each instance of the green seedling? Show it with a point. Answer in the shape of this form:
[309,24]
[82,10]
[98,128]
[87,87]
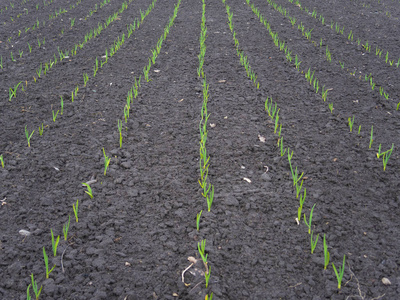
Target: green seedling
[299,210]
[12,92]
[386,155]
[209,297]
[54,243]
[126,113]
[359,129]
[310,219]
[72,96]
[398,105]
[210,198]
[276,121]
[207,276]
[75,208]
[339,275]
[46,262]
[201,247]
[331,107]
[34,288]
[120,132]
[326,254]
[281,147]
[351,122]
[55,115]
[313,243]
[298,188]
[28,136]
[89,190]
[2,161]
[28,294]
[106,162]
[371,138]
[66,225]
[198,220]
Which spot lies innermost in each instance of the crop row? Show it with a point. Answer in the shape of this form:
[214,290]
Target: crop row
[313,80]
[39,43]
[297,178]
[56,240]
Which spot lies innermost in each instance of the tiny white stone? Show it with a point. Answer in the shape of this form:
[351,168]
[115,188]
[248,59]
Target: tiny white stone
[24,232]
[386,281]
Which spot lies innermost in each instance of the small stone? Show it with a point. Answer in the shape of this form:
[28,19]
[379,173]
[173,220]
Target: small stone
[24,232]
[386,281]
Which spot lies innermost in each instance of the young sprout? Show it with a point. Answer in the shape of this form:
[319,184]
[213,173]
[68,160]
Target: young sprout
[201,247]
[2,161]
[106,161]
[198,220]
[66,226]
[209,297]
[13,92]
[28,136]
[34,288]
[313,244]
[386,155]
[351,122]
[298,188]
[55,115]
[75,208]
[120,132]
[371,138]
[62,105]
[207,276]
[46,262]
[54,243]
[339,275]
[326,254]
[299,210]
[89,190]
[281,144]
[331,107]
[310,219]
[210,198]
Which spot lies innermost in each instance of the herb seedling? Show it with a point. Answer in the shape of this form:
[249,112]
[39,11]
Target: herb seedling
[106,161]
[55,115]
[299,210]
[46,262]
[207,276]
[310,219]
[331,107]
[75,208]
[198,220]
[35,288]
[371,138]
[313,244]
[120,132]
[351,122]
[326,254]
[54,243]
[66,226]
[28,136]
[202,248]
[89,190]
[339,275]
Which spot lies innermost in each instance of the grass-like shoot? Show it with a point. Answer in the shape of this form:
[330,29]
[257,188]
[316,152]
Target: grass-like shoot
[207,276]
[35,289]
[46,262]
[331,107]
[41,130]
[210,198]
[339,275]
[202,248]
[351,122]
[75,208]
[198,220]
[313,243]
[299,210]
[28,136]
[89,190]
[209,297]
[55,115]
[66,226]
[310,219]
[62,105]
[2,161]
[120,132]
[326,254]
[372,136]
[54,243]
[106,161]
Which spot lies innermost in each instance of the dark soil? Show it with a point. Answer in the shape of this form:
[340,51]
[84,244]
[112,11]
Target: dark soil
[133,238]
